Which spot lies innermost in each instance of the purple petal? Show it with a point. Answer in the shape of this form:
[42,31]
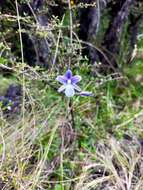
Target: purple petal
[62,88]
[68,74]
[61,79]
[75,79]
[86,93]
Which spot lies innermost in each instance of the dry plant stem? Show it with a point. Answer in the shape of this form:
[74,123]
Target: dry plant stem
[20,169]
[71,23]
[98,13]
[135,116]
[3,149]
[57,44]
[62,157]
[22,58]
[31,9]
[71,29]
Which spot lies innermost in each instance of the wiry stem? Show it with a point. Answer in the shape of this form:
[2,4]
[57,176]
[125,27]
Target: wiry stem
[70,112]
[22,59]
[71,29]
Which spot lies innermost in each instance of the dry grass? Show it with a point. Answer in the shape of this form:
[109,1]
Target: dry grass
[118,166]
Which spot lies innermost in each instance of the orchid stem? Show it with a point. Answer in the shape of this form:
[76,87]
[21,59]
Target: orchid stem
[70,112]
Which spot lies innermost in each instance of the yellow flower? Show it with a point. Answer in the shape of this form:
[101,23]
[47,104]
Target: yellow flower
[72,2]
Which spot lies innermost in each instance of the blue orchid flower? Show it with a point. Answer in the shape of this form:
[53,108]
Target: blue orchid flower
[69,84]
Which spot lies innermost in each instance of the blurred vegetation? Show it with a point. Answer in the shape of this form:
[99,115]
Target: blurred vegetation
[43,145]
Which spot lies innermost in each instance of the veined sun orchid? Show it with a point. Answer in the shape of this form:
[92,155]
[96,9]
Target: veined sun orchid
[69,84]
